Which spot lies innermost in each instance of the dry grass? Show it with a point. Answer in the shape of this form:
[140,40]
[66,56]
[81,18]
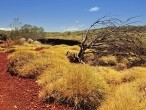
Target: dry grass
[30,60]
[127,96]
[27,64]
[124,98]
[111,76]
[79,86]
[133,74]
[130,95]
[27,46]
[2,49]
[108,60]
[8,44]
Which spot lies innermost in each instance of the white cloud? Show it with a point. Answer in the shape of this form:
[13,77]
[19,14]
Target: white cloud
[77,21]
[93,9]
[6,29]
[71,28]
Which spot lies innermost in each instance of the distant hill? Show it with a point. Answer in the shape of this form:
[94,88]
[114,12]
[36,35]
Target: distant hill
[79,34]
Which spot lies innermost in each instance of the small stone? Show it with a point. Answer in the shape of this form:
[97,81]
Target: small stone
[35,106]
[48,106]
[27,90]
[15,106]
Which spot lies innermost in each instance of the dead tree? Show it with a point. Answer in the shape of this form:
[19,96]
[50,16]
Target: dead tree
[113,37]
[73,58]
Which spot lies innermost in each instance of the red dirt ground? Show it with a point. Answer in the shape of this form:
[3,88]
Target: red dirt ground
[20,94]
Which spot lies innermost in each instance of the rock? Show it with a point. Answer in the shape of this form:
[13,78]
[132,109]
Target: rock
[21,41]
[15,106]
[29,40]
[36,42]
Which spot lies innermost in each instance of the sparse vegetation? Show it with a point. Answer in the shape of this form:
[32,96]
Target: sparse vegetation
[67,55]
[27,64]
[112,85]
[85,89]
[127,97]
[80,86]
[116,38]
[77,86]
[108,60]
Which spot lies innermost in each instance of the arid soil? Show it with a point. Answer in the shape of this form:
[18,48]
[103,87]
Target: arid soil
[20,94]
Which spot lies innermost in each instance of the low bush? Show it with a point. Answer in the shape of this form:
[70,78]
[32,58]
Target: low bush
[127,96]
[2,49]
[108,60]
[8,44]
[78,86]
[111,76]
[120,66]
[11,50]
[27,64]
[133,74]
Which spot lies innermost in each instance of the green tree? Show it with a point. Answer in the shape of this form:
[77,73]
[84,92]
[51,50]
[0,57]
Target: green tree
[26,30]
[31,31]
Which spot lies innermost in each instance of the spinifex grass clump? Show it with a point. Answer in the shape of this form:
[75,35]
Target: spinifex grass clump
[111,76]
[27,64]
[133,74]
[108,60]
[78,86]
[127,96]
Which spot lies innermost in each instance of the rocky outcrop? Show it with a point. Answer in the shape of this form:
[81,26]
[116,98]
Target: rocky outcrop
[54,41]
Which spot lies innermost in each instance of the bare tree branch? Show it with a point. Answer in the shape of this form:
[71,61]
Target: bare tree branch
[113,36]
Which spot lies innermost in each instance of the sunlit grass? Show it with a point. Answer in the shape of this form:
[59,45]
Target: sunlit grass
[133,74]
[127,96]
[2,49]
[130,94]
[32,59]
[81,86]
[27,63]
[111,76]
[108,60]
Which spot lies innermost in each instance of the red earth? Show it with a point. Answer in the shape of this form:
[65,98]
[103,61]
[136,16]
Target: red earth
[20,94]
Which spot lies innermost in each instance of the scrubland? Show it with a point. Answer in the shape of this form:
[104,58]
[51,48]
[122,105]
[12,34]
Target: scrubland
[80,86]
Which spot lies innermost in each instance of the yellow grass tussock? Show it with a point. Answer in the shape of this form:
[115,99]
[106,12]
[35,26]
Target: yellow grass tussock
[133,74]
[76,85]
[127,96]
[81,86]
[27,63]
[108,60]
[110,75]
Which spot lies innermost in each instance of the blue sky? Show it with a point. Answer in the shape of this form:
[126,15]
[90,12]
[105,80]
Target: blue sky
[68,15]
